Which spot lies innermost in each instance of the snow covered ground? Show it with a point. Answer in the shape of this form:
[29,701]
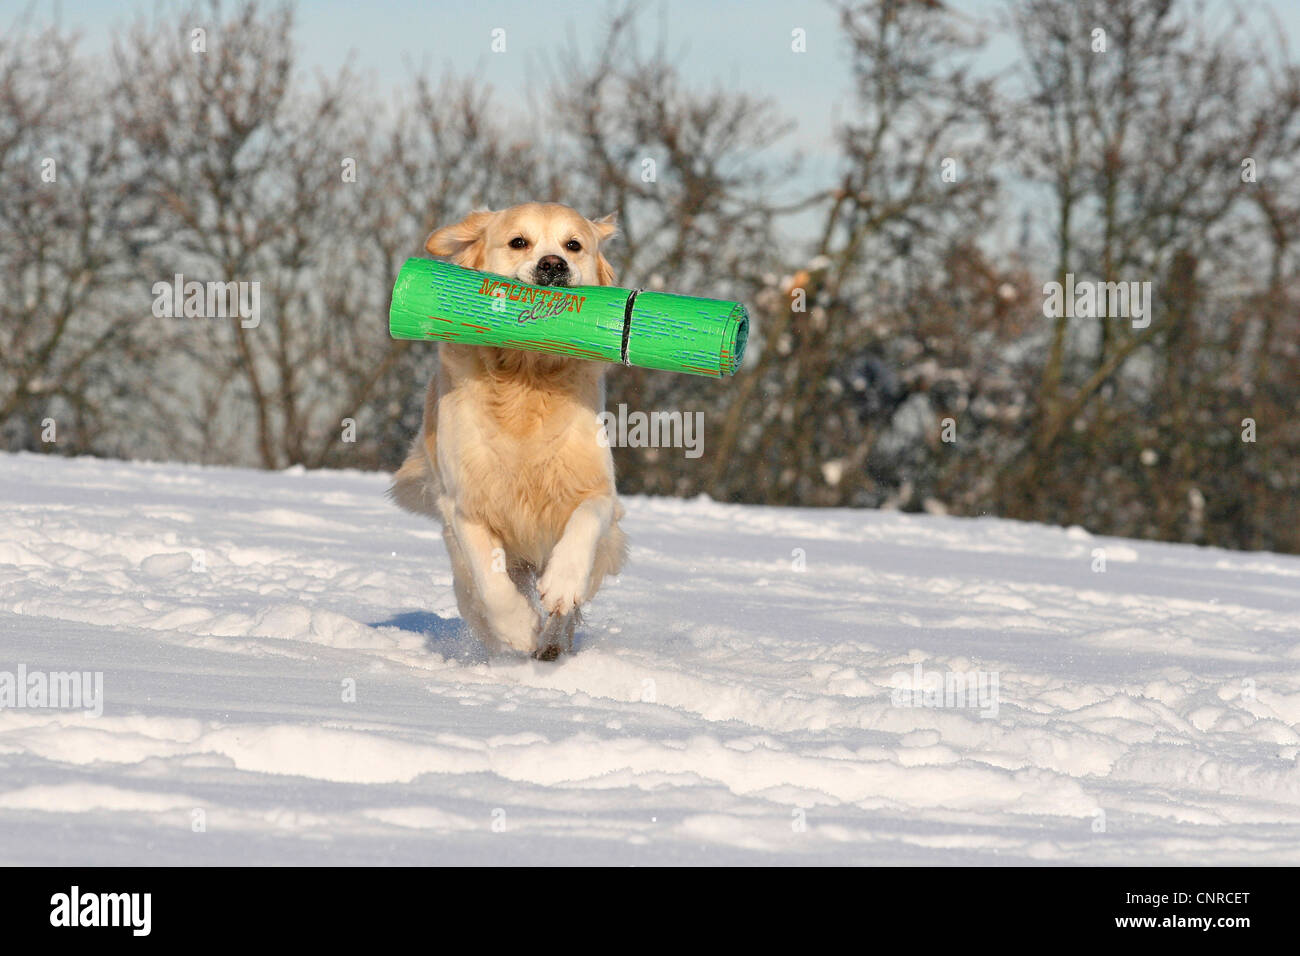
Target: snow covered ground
[736,695]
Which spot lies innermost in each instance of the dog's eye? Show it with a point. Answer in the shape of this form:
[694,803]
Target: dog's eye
[518,242]
[573,245]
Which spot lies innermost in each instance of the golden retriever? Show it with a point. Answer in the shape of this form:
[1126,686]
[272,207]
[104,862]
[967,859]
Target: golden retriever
[509,457]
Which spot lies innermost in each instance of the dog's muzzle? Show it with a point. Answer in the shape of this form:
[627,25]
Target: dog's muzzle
[551,270]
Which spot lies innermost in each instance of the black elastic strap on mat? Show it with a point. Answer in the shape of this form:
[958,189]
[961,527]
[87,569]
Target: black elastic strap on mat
[627,322]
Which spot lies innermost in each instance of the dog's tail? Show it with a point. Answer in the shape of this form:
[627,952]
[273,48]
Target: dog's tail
[414,485]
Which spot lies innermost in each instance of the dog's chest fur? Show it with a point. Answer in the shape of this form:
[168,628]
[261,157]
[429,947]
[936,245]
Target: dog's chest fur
[531,454]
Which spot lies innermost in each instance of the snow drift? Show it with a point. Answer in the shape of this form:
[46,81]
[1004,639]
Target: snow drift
[285,680]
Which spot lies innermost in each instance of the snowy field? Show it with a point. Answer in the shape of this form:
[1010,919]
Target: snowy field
[724,706]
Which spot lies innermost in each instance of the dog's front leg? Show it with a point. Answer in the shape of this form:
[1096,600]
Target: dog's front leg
[510,615]
[567,575]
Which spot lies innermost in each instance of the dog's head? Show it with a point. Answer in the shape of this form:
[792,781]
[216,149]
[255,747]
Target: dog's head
[537,243]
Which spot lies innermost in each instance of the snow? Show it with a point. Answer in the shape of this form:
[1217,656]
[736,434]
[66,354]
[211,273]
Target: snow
[734,696]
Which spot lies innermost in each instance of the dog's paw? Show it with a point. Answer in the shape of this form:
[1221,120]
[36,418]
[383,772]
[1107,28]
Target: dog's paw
[562,586]
[518,628]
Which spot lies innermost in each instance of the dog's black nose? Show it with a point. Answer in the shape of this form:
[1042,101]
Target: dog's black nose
[551,270]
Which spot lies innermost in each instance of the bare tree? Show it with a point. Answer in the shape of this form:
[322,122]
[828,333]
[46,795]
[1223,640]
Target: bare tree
[1137,118]
[916,179]
[64,219]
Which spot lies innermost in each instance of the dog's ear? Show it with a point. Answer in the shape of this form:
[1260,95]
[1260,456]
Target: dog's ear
[604,271]
[605,227]
[457,241]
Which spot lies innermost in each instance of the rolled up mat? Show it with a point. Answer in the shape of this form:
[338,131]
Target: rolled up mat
[678,333]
